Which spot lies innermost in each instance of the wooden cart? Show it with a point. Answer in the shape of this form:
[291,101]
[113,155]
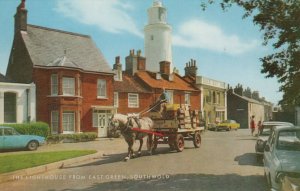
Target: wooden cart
[174,125]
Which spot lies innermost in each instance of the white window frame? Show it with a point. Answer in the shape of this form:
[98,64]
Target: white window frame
[54,121]
[54,84]
[68,86]
[101,88]
[116,99]
[170,95]
[187,98]
[133,100]
[68,122]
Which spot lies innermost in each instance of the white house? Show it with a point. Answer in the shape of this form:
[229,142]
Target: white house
[17,102]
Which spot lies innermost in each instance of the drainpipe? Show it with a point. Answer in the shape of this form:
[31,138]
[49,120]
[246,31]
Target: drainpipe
[27,105]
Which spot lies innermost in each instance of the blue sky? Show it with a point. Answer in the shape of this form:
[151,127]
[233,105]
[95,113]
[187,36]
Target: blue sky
[225,46]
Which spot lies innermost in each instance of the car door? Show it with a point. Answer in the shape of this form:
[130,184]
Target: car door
[268,155]
[12,139]
[1,139]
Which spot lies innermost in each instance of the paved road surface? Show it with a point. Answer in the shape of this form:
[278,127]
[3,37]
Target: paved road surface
[225,162]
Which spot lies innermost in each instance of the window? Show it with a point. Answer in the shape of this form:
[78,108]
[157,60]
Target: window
[169,96]
[116,99]
[214,97]
[187,98]
[208,97]
[54,122]
[68,122]
[10,107]
[78,86]
[68,86]
[101,89]
[54,84]
[218,98]
[133,100]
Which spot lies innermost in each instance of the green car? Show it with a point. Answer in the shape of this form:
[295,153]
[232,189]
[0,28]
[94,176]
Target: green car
[11,139]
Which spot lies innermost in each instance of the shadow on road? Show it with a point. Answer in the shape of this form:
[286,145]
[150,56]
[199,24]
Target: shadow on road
[205,182]
[248,159]
[113,158]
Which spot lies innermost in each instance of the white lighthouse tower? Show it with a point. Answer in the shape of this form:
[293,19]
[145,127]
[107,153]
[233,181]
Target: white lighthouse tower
[158,38]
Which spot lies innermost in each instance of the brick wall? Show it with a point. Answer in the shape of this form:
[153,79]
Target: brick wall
[81,104]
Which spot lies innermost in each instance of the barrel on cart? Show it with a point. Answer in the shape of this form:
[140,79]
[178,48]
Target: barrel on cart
[174,124]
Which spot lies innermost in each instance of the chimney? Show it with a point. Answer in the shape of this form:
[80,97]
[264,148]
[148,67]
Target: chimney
[191,68]
[135,63]
[117,68]
[21,18]
[239,90]
[165,67]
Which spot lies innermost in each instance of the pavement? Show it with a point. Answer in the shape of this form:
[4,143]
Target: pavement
[103,146]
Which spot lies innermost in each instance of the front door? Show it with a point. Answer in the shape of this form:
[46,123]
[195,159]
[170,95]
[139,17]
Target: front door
[102,124]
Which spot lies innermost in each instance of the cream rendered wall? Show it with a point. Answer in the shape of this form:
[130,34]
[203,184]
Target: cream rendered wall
[258,111]
[22,108]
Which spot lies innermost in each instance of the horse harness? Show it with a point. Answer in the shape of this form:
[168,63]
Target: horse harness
[129,126]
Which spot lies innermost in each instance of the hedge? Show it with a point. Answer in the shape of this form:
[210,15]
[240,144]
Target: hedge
[35,128]
[77,137]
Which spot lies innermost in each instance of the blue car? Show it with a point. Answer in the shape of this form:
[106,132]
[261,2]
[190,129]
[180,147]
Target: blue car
[11,139]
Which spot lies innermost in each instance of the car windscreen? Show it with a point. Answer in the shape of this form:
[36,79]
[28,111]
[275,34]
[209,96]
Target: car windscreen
[266,130]
[289,140]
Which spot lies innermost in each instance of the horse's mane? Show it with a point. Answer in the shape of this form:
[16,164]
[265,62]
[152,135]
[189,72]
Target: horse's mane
[146,122]
[122,118]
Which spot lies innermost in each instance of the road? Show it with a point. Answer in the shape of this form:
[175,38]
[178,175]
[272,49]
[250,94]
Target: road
[225,162]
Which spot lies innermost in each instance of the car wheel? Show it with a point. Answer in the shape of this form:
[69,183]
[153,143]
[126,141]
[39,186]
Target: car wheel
[32,145]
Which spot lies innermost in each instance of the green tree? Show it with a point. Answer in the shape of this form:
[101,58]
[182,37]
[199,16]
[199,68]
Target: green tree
[279,20]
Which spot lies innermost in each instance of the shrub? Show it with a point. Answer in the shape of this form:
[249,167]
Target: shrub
[35,128]
[77,137]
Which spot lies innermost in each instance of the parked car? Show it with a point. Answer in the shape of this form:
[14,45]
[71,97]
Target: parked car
[227,125]
[290,183]
[281,156]
[11,139]
[264,134]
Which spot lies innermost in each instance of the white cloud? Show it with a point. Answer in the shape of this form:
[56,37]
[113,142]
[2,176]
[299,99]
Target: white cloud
[199,34]
[108,15]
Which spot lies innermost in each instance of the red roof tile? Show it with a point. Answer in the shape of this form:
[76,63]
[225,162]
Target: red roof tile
[178,82]
[130,84]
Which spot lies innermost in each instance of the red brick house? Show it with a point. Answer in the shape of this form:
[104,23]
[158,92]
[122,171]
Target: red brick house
[73,80]
[136,89]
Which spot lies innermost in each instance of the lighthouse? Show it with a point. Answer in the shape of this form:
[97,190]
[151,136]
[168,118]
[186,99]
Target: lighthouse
[158,38]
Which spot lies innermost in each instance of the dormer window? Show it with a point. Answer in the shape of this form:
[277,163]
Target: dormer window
[158,76]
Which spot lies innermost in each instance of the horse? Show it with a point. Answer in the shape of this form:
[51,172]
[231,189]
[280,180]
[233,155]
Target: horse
[125,123]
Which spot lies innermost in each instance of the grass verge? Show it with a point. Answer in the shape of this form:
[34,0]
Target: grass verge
[15,162]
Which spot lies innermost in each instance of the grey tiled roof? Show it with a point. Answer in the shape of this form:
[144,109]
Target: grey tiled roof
[3,78]
[56,48]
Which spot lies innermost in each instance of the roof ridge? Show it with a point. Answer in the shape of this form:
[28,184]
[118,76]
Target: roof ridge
[58,30]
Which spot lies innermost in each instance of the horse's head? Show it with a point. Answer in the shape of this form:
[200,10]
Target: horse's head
[113,124]
[117,122]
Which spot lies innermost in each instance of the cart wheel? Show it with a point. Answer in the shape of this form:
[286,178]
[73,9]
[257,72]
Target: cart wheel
[179,143]
[197,139]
